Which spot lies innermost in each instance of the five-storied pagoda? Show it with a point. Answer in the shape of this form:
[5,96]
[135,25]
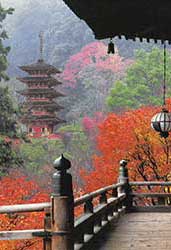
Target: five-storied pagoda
[40,115]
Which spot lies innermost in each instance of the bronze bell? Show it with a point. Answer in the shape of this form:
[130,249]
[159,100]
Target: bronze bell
[111,47]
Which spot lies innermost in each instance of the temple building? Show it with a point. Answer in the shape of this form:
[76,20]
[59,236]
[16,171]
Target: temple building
[40,108]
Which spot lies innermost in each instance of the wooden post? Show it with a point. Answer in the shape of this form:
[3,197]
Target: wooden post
[124,179]
[62,213]
[47,226]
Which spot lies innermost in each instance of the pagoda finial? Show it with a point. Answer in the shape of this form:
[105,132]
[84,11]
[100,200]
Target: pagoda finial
[41,45]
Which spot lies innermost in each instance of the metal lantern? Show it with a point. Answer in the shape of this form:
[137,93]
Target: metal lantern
[161,122]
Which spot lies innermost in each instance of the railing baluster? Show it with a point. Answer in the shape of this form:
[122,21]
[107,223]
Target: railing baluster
[113,211]
[103,200]
[89,209]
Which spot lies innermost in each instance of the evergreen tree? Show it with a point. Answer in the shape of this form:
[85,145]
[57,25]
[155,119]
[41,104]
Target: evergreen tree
[8,156]
[143,82]
[3,50]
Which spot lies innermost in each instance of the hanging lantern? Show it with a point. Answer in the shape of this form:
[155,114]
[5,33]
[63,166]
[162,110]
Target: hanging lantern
[161,123]
[111,47]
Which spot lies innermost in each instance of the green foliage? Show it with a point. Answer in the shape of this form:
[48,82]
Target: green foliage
[8,156]
[143,82]
[3,50]
[8,114]
[40,153]
[78,147]
[9,133]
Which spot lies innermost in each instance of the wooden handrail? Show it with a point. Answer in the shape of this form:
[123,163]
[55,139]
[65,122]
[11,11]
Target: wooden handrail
[22,208]
[96,193]
[150,183]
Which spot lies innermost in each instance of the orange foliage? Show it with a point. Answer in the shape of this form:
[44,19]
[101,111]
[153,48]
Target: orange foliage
[17,189]
[129,136]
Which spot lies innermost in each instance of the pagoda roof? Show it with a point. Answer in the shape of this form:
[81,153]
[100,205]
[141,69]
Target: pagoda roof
[148,19]
[44,105]
[46,91]
[43,118]
[34,79]
[40,65]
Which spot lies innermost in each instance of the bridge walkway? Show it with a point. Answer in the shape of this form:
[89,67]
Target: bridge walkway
[138,231]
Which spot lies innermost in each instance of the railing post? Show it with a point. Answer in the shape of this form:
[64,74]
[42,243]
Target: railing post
[124,179]
[62,213]
[47,226]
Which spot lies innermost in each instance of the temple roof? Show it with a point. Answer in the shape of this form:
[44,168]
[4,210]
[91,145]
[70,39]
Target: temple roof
[44,91]
[49,80]
[42,118]
[150,19]
[40,65]
[43,105]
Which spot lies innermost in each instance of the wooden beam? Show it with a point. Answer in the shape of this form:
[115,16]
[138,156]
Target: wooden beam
[150,183]
[19,234]
[153,209]
[151,195]
[37,207]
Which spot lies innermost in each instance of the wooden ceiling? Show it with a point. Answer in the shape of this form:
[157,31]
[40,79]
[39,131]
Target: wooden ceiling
[149,19]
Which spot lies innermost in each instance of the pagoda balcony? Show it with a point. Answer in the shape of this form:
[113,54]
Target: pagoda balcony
[39,86]
[41,113]
[44,93]
[47,80]
[38,99]
[39,75]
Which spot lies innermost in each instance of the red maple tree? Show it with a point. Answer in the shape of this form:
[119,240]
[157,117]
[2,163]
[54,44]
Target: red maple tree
[94,54]
[18,189]
[129,136]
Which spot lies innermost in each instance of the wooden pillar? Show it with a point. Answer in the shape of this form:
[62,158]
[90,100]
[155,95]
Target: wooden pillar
[47,226]
[62,213]
[124,179]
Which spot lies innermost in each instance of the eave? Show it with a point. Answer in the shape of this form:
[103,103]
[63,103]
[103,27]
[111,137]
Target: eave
[136,18]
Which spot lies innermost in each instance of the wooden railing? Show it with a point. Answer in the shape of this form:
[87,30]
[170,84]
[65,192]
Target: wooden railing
[63,231]
[100,207]
[150,196]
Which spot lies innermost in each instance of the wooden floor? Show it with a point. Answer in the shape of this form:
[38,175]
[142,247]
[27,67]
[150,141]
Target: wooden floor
[138,231]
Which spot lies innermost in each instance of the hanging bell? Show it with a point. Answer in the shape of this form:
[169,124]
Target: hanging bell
[111,47]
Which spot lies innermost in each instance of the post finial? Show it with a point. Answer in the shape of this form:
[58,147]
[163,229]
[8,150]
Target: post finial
[62,164]
[123,163]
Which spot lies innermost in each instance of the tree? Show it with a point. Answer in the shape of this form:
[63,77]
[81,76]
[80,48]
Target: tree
[39,154]
[18,189]
[8,114]
[88,77]
[129,136]
[3,50]
[143,82]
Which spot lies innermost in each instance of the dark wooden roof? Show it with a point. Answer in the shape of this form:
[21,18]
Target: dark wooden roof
[40,65]
[150,19]
[46,92]
[38,119]
[50,81]
[43,105]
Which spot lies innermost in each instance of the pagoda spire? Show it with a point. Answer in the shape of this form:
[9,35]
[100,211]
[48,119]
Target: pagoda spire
[41,44]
